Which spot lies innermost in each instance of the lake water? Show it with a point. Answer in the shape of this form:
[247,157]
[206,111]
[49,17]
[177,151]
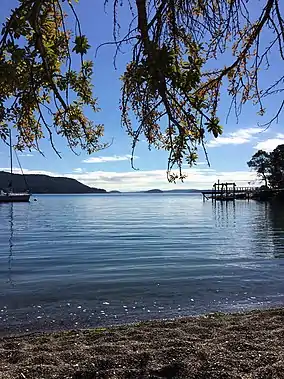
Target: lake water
[93,260]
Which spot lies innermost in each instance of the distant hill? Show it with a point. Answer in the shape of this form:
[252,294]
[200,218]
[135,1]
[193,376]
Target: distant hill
[46,184]
[173,191]
[154,191]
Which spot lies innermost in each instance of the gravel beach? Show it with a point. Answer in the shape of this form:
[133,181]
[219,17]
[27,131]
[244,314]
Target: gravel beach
[220,346]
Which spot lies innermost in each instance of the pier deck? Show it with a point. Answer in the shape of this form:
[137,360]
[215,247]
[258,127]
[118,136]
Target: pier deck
[228,192]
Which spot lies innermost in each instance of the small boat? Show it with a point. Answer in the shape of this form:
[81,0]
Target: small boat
[9,196]
[13,197]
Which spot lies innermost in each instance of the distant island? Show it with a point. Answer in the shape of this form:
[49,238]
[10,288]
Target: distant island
[45,184]
[173,191]
[153,191]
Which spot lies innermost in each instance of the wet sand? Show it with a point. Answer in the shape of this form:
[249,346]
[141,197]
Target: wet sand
[215,346]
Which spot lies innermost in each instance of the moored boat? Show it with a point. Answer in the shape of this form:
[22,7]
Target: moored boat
[9,196]
[13,197]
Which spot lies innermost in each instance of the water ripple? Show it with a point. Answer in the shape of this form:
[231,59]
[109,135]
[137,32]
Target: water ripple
[73,261]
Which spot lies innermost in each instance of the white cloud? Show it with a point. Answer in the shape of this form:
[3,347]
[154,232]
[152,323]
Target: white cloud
[113,158]
[238,137]
[26,155]
[201,163]
[271,143]
[36,172]
[142,180]
[78,170]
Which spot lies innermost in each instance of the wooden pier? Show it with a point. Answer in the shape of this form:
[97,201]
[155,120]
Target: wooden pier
[228,192]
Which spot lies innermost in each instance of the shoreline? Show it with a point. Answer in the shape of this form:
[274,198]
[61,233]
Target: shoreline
[216,345]
[39,329]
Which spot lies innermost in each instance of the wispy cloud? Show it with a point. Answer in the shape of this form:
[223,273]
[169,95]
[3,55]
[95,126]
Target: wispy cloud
[26,155]
[271,143]
[78,170]
[201,163]
[238,137]
[113,158]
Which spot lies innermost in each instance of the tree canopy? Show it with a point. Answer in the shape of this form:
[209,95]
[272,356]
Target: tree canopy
[269,167]
[172,85]
[260,162]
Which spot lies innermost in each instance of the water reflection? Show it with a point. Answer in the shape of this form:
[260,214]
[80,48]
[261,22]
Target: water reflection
[11,243]
[224,213]
[247,228]
[276,217]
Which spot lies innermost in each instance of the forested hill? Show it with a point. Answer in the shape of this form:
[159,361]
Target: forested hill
[45,184]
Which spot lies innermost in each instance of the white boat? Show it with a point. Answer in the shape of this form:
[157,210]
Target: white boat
[9,196]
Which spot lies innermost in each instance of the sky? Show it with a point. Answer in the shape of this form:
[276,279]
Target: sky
[111,168]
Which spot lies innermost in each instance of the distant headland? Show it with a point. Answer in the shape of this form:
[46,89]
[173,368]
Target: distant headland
[153,191]
[44,184]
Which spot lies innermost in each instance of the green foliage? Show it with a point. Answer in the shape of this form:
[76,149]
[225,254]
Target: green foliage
[161,85]
[260,162]
[37,79]
[81,45]
[214,127]
[276,178]
[270,166]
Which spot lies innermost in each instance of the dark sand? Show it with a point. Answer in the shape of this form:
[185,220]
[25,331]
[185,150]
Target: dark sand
[218,346]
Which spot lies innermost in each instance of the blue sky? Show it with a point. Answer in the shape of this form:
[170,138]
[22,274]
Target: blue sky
[110,168]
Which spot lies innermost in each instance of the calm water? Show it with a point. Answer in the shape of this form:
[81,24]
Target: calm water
[77,261]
